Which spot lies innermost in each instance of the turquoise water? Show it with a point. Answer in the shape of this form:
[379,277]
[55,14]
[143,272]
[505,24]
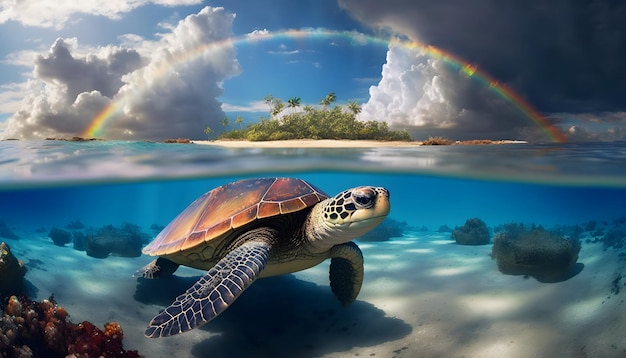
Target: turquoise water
[45,184]
[48,182]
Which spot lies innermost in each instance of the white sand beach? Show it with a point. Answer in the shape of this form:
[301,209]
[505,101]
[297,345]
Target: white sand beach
[322,143]
[423,296]
[305,143]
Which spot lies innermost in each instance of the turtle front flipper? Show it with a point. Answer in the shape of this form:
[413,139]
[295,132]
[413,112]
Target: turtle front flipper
[346,272]
[214,292]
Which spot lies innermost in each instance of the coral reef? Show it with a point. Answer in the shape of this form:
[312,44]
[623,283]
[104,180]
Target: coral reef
[6,232]
[41,329]
[12,271]
[545,255]
[387,229]
[60,237]
[473,232]
[126,241]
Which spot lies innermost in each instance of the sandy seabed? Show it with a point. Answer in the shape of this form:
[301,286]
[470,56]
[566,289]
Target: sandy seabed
[423,296]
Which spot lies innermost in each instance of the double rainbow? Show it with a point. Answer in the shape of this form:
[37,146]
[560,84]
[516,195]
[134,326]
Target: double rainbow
[554,134]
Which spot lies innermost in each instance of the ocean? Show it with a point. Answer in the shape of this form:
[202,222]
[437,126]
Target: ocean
[424,295]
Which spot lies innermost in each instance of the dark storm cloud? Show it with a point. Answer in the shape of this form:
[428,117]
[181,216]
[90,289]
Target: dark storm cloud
[563,56]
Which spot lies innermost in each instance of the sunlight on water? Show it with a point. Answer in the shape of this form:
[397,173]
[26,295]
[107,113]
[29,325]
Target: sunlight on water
[421,290]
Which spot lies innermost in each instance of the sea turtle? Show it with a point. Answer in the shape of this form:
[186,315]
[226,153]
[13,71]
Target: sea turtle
[259,228]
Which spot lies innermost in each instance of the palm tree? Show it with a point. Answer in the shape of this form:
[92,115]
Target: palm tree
[355,108]
[225,122]
[269,100]
[330,98]
[278,107]
[238,121]
[208,131]
[293,103]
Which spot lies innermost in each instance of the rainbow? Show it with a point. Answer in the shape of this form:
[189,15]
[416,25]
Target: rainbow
[501,90]
[554,134]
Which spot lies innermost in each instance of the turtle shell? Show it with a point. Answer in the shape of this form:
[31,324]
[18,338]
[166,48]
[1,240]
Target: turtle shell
[232,206]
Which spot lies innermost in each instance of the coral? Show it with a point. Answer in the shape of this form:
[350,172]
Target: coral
[12,271]
[6,232]
[387,229]
[473,232]
[537,252]
[41,329]
[60,237]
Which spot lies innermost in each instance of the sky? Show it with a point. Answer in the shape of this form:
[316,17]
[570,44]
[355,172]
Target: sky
[155,69]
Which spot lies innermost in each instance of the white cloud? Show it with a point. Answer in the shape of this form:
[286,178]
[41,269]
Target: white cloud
[12,94]
[253,107]
[168,92]
[258,34]
[57,13]
[603,126]
[410,92]
[428,97]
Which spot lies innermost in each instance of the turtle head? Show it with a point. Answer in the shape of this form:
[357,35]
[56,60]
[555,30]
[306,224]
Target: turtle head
[355,211]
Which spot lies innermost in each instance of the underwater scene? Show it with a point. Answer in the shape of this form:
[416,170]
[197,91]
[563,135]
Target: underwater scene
[486,251]
[312,178]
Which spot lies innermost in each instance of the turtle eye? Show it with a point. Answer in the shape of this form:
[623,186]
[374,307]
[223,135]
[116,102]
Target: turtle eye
[364,199]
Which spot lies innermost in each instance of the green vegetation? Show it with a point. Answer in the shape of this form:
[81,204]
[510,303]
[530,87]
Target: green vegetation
[312,123]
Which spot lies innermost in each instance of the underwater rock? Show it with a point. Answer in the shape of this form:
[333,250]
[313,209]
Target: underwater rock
[542,254]
[79,240]
[75,139]
[6,232]
[615,237]
[41,329]
[12,271]
[178,140]
[125,241]
[473,232]
[387,229]
[444,228]
[75,225]
[60,237]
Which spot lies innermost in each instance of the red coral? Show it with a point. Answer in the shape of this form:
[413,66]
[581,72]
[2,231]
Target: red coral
[42,328]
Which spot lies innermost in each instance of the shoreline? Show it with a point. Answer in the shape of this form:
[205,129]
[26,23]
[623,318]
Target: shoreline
[334,143]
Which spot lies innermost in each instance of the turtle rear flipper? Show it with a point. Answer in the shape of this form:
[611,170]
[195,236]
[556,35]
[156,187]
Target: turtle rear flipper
[214,292]
[157,268]
[346,272]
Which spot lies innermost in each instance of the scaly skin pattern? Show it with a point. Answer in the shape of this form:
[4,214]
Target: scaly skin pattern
[275,246]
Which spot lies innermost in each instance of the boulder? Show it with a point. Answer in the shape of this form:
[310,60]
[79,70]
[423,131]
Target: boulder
[473,232]
[542,254]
